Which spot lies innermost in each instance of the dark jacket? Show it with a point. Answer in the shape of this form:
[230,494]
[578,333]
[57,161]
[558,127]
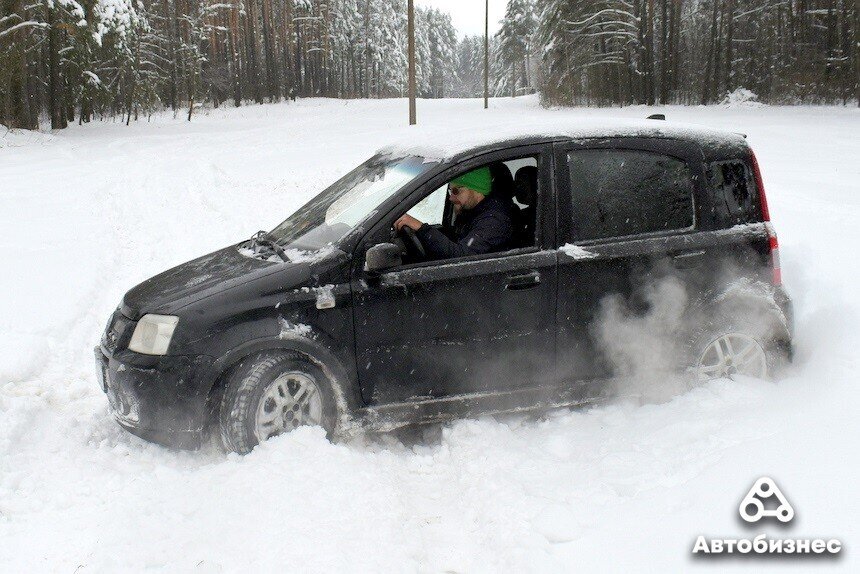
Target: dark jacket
[485,228]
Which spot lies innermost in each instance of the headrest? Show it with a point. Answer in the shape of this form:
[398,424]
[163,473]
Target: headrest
[525,184]
[503,183]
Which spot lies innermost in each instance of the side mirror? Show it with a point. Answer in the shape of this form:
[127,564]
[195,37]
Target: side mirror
[381,257]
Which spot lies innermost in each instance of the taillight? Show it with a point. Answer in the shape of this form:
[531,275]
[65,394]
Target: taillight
[774,254]
[773,242]
[765,213]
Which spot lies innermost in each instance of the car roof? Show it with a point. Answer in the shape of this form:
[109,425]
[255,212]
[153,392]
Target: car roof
[443,143]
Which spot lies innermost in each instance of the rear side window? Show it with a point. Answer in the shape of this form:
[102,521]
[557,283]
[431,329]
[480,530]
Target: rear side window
[733,189]
[628,192]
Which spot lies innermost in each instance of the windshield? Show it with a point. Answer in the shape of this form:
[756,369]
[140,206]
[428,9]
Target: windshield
[332,214]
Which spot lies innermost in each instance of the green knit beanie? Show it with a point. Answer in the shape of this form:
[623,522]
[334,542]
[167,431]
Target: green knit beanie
[477,179]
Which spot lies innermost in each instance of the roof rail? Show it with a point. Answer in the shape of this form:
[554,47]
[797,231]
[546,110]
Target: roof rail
[656,117]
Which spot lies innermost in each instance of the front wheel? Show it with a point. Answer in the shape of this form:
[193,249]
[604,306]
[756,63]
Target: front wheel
[271,394]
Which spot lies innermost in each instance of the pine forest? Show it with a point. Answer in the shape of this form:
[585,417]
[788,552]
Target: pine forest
[65,61]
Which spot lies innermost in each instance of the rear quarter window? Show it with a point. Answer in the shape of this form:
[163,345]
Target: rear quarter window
[734,198]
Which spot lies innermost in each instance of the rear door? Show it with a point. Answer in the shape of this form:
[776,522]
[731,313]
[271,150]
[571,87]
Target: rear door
[627,227]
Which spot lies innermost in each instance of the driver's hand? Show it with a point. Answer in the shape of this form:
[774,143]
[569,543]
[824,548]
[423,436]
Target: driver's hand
[407,221]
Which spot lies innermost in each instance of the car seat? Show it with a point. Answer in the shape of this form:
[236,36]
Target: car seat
[502,187]
[525,191]
[502,181]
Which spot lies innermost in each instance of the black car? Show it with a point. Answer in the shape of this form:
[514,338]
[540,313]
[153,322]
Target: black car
[334,319]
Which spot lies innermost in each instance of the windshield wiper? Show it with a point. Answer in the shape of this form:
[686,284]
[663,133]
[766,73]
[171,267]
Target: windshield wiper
[263,238]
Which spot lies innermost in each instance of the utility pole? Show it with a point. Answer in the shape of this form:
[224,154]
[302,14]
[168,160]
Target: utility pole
[411,32]
[486,53]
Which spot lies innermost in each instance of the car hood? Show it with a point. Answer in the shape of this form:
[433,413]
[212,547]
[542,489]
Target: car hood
[202,277]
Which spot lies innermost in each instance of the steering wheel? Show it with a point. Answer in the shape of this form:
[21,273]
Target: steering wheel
[414,242]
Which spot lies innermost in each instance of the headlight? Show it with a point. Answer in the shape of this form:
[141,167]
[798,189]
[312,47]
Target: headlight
[152,334]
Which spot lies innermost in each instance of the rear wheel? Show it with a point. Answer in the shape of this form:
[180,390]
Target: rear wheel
[732,353]
[726,348]
[271,394]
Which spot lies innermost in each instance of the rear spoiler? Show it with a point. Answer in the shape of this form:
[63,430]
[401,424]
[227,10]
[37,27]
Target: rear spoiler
[663,118]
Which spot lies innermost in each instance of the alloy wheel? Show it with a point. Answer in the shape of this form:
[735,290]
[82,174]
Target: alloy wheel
[290,401]
[731,354]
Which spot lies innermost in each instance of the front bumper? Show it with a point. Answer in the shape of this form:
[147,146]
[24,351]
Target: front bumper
[156,398]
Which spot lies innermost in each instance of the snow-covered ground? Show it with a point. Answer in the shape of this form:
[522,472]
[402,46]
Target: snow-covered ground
[88,212]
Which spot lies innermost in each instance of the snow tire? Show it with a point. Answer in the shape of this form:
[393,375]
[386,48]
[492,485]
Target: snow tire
[719,328]
[248,384]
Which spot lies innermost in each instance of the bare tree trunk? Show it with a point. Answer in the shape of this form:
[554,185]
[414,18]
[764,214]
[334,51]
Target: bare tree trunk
[718,50]
[325,55]
[411,32]
[213,56]
[234,52]
[299,46]
[730,32]
[486,52]
[171,16]
[252,51]
[709,65]
[58,117]
[674,37]
[856,44]
[366,87]
[272,87]
[639,8]
[649,55]
[664,51]
[845,53]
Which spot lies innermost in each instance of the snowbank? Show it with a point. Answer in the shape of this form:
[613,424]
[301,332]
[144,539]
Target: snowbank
[741,97]
[18,137]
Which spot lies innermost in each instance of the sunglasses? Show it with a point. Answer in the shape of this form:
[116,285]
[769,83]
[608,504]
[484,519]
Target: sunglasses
[455,189]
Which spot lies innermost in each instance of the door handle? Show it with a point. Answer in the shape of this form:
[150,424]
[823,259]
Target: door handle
[526,281]
[688,259]
[689,254]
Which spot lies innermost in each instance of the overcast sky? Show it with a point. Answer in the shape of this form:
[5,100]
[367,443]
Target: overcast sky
[468,15]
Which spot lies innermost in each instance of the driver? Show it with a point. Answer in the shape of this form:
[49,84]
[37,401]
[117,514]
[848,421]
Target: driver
[484,222]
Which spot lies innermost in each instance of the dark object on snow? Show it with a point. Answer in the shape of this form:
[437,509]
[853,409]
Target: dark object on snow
[332,319]
[656,117]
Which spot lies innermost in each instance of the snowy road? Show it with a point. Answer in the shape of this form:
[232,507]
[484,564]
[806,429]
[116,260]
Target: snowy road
[87,213]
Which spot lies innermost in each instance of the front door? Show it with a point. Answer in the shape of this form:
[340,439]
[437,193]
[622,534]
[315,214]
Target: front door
[475,324]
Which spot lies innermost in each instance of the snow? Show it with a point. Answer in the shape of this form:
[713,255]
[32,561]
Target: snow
[16,137]
[20,25]
[92,210]
[248,252]
[305,256]
[294,255]
[442,141]
[325,296]
[741,97]
[294,329]
[576,251]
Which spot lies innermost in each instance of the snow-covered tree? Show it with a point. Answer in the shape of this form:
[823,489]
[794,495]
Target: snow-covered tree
[514,40]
